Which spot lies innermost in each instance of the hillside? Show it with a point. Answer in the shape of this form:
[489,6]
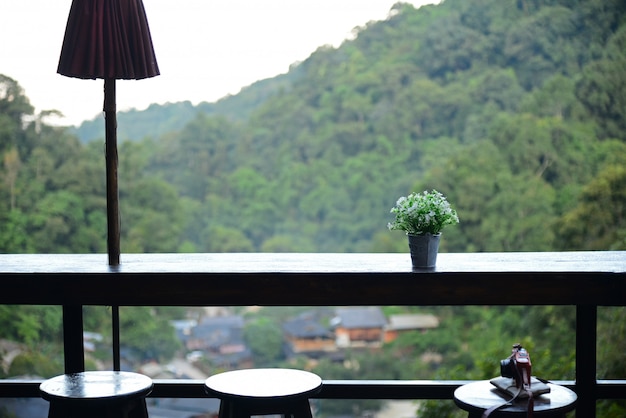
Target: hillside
[498,107]
[513,109]
[158,119]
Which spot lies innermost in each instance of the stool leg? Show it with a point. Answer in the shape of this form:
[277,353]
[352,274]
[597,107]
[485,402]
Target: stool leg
[222,412]
[227,409]
[139,409]
[55,411]
[302,409]
[241,409]
[133,409]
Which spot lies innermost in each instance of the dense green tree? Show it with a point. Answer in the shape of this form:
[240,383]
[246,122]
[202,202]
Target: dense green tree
[500,88]
[602,88]
[226,239]
[540,45]
[520,216]
[611,339]
[14,238]
[15,108]
[470,179]
[194,158]
[148,335]
[35,364]
[152,217]
[449,47]
[31,325]
[598,222]
[287,244]
[556,99]
[58,218]
[265,339]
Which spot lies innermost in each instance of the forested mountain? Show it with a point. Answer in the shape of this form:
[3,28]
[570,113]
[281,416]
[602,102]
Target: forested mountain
[157,119]
[514,109]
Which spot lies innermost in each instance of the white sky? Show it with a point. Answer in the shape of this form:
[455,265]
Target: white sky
[205,49]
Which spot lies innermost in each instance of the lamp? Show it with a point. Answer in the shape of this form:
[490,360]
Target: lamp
[108,39]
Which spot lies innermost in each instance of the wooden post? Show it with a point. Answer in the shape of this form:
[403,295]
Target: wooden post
[115,320]
[73,348]
[586,337]
[113,211]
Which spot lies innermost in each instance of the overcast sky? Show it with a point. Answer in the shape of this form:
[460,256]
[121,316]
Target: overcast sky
[205,49]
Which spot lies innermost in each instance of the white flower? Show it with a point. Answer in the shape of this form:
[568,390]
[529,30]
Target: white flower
[420,213]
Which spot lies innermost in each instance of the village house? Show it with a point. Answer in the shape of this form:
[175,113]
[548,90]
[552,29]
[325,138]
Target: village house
[359,326]
[409,322]
[305,335]
[220,339]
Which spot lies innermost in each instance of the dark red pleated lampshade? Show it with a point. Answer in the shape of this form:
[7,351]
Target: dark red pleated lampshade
[108,39]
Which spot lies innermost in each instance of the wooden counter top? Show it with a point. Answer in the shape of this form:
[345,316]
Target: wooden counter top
[290,279]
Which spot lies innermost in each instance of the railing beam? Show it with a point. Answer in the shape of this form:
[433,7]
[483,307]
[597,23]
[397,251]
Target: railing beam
[582,279]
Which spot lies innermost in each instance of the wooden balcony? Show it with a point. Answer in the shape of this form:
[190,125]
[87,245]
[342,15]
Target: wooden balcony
[582,279]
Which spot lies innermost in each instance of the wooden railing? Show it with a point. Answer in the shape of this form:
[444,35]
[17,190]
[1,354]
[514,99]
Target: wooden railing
[585,280]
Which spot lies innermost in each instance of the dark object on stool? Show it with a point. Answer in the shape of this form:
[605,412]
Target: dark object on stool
[244,393]
[479,396]
[97,395]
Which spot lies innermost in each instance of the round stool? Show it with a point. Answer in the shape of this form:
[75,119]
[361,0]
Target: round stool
[244,393]
[97,394]
[479,396]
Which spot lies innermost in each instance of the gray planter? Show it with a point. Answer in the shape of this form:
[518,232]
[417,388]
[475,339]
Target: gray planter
[424,249]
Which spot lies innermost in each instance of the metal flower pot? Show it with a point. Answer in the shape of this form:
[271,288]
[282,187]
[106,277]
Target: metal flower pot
[424,249]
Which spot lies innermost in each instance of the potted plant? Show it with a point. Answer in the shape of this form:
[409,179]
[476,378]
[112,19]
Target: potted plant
[423,216]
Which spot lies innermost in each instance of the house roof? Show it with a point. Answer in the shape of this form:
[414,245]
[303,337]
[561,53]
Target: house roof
[360,317]
[217,331]
[306,328]
[230,359]
[412,321]
[232,321]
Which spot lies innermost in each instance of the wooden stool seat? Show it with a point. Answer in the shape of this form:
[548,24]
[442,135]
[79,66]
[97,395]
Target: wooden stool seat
[477,397]
[244,393]
[105,394]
